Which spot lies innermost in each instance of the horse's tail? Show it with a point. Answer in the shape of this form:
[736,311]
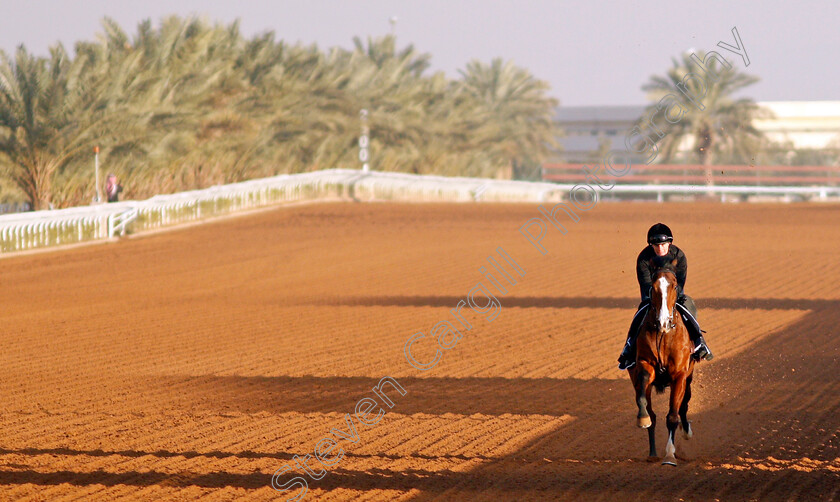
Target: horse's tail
[662,380]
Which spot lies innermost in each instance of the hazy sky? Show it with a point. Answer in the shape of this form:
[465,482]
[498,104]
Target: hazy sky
[591,52]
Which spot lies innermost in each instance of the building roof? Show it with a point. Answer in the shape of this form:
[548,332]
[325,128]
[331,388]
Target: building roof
[599,113]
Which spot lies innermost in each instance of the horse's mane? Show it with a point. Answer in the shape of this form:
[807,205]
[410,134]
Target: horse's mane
[670,266]
[666,268]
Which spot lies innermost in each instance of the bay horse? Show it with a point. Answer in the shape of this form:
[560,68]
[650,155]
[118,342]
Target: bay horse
[663,358]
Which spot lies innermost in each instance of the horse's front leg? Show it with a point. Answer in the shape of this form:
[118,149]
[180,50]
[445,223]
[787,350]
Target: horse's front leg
[677,393]
[652,429]
[643,380]
[686,425]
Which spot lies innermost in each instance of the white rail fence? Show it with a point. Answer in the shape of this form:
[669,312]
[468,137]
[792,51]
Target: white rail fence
[774,193]
[23,231]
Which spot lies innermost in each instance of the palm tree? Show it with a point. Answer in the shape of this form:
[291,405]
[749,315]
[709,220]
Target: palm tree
[186,104]
[47,120]
[181,84]
[513,116]
[382,52]
[148,98]
[723,127]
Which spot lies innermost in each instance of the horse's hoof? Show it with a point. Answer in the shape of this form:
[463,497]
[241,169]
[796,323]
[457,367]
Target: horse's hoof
[672,461]
[644,422]
[688,433]
[652,459]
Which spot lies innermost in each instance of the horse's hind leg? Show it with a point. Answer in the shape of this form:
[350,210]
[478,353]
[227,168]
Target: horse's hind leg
[652,429]
[686,425]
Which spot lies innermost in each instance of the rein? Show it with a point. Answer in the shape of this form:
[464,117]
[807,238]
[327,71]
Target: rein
[660,336]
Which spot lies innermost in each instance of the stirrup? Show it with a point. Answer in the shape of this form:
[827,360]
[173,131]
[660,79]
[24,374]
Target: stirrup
[702,353]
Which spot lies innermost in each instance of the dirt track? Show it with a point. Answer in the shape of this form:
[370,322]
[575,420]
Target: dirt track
[194,364]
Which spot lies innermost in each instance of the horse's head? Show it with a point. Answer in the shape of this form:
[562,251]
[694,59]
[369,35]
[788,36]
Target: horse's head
[663,299]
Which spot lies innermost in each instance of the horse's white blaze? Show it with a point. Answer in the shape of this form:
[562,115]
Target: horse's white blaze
[663,311]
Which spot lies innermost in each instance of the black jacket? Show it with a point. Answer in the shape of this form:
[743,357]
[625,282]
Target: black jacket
[647,264]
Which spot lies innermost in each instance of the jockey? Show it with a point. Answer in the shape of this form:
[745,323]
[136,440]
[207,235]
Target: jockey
[654,257]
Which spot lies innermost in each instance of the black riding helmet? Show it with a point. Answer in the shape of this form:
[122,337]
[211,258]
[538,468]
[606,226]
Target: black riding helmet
[659,233]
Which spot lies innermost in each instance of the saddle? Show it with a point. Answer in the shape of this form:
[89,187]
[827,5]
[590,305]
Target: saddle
[690,321]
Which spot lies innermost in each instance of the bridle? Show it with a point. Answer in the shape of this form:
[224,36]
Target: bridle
[671,325]
[660,335]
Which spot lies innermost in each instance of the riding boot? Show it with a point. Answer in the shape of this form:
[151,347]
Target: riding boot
[701,350]
[627,359]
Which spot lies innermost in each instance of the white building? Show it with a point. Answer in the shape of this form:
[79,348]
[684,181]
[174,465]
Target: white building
[799,124]
[802,124]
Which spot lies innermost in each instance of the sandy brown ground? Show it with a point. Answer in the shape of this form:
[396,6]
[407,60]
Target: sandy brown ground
[194,364]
